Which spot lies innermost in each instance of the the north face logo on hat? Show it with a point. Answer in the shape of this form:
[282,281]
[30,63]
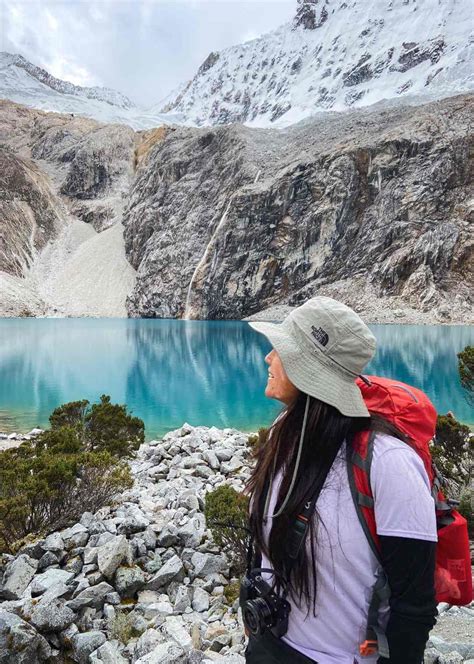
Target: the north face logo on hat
[320,335]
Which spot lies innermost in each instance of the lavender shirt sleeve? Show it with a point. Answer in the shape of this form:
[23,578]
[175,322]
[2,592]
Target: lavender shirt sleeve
[404,506]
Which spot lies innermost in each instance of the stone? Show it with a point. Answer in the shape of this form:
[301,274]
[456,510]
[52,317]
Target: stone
[90,556]
[128,581]
[47,560]
[149,538]
[192,533]
[431,656]
[168,536]
[51,615]
[54,543]
[451,658]
[108,653]
[112,554]
[172,570]
[20,643]
[17,577]
[93,596]
[84,645]
[200,601]
[78,535]
[165,653]
[147,642]
[46,580]
[182,600]
[207,563]
[174,628]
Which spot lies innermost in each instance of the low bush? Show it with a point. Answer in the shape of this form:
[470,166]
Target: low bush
[466,372]
[256,440]
[76,466]
[226,512]
[452,454]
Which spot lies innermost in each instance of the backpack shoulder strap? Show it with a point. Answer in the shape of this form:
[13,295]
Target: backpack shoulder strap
[359,460]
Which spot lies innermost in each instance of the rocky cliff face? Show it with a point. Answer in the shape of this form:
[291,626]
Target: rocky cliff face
[371,208]
[28,211]
[224,222]
[63,180]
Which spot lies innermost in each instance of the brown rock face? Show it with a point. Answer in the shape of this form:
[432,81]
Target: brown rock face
[29,216]
[222,223]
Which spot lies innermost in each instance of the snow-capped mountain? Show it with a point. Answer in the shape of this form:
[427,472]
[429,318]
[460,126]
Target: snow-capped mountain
[25,83]
[336,54]
[106,95]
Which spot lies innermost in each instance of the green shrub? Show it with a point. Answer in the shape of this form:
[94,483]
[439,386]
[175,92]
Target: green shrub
[47,483]
[452,451]
[226,512]
[231,592]
[466,508]
[101,427]
[255,440]
[121,628]
[466,372]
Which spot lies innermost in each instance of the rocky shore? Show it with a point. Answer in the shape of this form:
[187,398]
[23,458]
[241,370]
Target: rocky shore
[142,581]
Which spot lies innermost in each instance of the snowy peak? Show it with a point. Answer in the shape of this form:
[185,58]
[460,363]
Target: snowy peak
[106,95]
[310,14]
[334,55]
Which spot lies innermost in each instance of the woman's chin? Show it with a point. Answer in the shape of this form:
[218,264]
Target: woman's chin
[269,393]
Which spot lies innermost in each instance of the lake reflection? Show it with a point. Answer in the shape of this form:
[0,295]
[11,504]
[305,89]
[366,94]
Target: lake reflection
[202,372]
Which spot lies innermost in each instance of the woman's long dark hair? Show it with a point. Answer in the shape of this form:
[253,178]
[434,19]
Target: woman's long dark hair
[326,429]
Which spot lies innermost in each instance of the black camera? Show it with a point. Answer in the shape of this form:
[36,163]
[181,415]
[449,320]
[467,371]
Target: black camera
[261,607]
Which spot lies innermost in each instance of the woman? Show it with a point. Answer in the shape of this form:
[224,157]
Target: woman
[318,352]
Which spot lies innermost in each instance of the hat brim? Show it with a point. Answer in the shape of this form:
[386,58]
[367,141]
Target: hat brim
[313,377]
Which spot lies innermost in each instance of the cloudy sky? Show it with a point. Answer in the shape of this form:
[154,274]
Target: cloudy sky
[145,49]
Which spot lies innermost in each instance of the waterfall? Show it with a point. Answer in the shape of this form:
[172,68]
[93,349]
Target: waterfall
[202,262]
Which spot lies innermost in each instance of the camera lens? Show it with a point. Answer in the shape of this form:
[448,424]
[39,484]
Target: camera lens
[257,615]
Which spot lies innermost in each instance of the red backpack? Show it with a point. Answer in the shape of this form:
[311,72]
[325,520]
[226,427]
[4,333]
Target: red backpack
[410,410]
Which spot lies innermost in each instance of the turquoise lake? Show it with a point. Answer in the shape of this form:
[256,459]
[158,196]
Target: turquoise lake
[203,372]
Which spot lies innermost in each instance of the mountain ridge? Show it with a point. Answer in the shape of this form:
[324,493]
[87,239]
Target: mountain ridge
[335,55]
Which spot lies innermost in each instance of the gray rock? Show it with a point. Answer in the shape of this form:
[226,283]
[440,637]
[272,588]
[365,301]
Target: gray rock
[168,536]
[66,635]
[149,538]
[84,645]
[108,653]
[47,560]
[172,570]
[48,579]
[78,535]
[431,656]
[451,658]
[182,600]
[90,556]
[51,615]
[20,643]
[112,554]
[200,601]
[128,581]
[147,642]
[192,532]
[165,653]
[208,563]
[93,596]
[174,628]
[18,575]
[54,543]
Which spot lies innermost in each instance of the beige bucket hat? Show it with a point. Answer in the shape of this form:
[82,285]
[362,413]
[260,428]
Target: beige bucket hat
[324,346]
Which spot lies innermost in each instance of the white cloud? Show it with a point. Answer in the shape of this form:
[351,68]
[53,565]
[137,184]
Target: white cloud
[53,24]
[145,49]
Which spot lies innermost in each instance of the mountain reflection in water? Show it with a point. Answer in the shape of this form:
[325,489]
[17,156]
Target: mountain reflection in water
[202,372]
